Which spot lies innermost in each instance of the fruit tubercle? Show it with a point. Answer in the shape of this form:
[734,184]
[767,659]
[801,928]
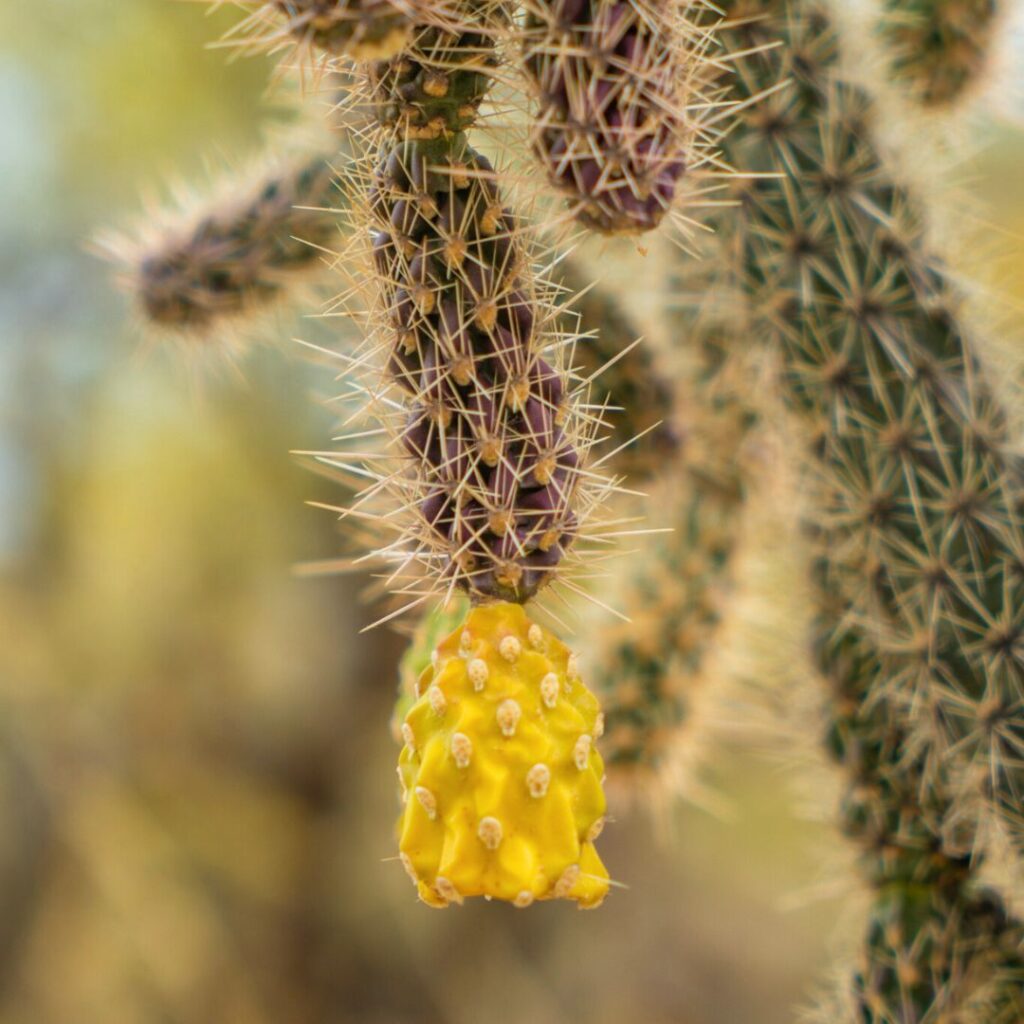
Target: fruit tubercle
[502,784]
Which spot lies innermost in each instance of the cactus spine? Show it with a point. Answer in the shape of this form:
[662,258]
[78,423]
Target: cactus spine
[921,553]
[940,49]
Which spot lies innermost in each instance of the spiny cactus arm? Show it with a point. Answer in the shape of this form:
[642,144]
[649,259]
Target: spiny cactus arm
[938,940]
[646,672]
[923,492]
[493,443]
[218,268]
[920,525]
[621,103]
[939,50]
[487,465]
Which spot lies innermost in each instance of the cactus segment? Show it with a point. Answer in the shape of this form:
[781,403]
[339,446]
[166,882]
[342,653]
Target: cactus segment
[618,88]
[362,29]
[635,379]
[918,523]
[491,442]
[940,49]
[326,29]
[645,671]
[502,782]
[193,275]
[489,434]
[435,88]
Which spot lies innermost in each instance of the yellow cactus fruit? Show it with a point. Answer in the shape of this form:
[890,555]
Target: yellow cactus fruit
[501,781]
[434,625]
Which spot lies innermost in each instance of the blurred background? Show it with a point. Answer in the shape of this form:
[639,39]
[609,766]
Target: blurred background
[197,789]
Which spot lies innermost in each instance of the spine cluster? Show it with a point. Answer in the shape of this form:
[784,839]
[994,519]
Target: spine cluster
[919,525]
[618,90]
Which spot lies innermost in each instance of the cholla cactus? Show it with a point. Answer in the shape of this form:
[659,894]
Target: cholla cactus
[486,472]
[920,524]
[621,93]
[648,671]
[485,475]
[630,376]
[217,269]
[940,49]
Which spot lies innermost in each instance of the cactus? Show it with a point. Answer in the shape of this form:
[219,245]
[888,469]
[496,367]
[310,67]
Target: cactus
[501,779]
[219,269]
[490,488]
[938,940]
[940,49]
[919,526]
[621,104]
[486,470]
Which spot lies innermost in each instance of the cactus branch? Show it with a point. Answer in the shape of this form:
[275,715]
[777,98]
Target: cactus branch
[494,445]
[621,103]
[219,268]
[319,30]
[919,520]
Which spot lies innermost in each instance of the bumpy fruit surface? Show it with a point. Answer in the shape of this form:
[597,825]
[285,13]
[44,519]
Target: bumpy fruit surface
[435,625]
[501,781]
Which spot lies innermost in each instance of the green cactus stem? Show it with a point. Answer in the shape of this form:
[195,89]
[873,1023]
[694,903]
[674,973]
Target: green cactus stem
[629,372]
[919,520]
[647,670]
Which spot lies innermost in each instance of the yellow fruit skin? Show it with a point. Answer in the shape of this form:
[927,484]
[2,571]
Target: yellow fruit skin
[502,784]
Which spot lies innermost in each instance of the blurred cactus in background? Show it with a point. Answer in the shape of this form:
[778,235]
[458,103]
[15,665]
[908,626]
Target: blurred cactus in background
[918,523]
[509,424]
[941,50]
[215,273]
